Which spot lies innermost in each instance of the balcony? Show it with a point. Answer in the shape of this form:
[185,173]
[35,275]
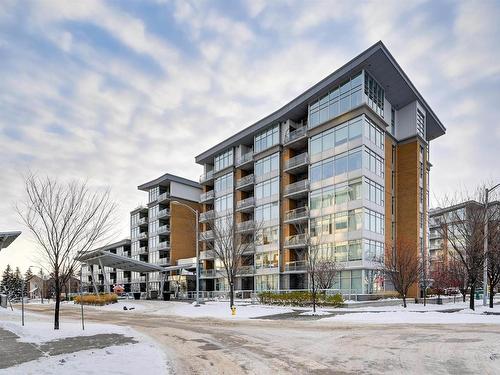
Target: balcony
[297,136]
[206,177]
[205,274]
[207,235]
[297,189]
[296,241]
[245,205]
[163,213]
[163,245]
[246,270]
[249,247]
[207,254]
[297,164]
[245,183]
[143,250]
[246,226]
[207,216]
[296,266]
[163,197]
[142,236]
[163,261]
[297,215]
[164,229]
[207,197]
[142,221]
[245,161]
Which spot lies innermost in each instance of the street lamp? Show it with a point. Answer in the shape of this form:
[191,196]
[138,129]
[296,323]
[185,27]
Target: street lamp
[197,215]
[485,245]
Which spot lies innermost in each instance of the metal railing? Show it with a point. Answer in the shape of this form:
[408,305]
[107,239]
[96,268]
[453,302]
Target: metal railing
[142,221]
[207,235]
[206,176]
[163,196]
[245,203]
[163,245]
[297,161]
[163,261]
[247,180]
[209,195]
[143,249]
[163,229]
[246,270]
[296,240]
[298,265]
[296,187]
[208,215]
[245,158]
[297,214]
[163,213]
[207,254]
[208,273]
[296,134]
[142,236]
[245,226]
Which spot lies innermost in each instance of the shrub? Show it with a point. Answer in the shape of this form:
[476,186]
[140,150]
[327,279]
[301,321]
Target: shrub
[96,299]
[300,298]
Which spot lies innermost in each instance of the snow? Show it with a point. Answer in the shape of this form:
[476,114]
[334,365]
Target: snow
[317,313]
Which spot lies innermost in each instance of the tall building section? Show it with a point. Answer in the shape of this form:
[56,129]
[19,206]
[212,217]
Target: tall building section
[346,163]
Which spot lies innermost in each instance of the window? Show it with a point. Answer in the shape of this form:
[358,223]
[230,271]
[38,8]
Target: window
[337,194]
[153,193]
[338,136]
[374,221]
[224,183]
[266,260]
[267,188]
[374,192]
[224,203]
[339,100]
[355,250]
[374,94]
[420,123]
[393,121]
[373,162]
[224,160]
[373,133]
[267,138]
[266,282]
[373,251]
[267,212]
[266,236]
[267,165]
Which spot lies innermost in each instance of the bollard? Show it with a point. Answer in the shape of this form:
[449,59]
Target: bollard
[233,310]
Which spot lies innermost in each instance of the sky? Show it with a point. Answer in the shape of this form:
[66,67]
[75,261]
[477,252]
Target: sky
[120,92]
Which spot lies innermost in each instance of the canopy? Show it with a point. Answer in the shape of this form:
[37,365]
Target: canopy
[6,238]
[107,259]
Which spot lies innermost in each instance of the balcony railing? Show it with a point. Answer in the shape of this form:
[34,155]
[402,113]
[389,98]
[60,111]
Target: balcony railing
[245,226]
[245,203]
[209,195]
[142,221]
[163,213]
[206,177]
[207,254]
[140,279]
[163,229]
[246,270]
[297,240]
[296,134]
[163,196]
[208,273]
[207,235]
[245,181]
[296,161]
[164,245]
[296,187]
[142,236]
[163,261]
[143,250]
[245,158]
[206,216]
[299,265]
[297,214]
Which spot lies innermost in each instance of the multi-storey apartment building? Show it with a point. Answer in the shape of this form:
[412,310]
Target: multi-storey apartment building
[161,234]
[346,161]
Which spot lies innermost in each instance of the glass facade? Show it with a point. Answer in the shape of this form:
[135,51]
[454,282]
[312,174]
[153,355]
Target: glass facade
[267,138]
[224,160]
[267,165]
[374,94]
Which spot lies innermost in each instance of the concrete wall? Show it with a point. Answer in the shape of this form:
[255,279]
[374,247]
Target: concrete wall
[184,191]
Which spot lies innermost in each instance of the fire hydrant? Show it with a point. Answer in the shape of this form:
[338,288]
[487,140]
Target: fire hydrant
[233,310]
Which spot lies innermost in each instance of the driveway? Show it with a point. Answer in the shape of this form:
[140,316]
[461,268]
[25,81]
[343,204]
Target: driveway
[210,346]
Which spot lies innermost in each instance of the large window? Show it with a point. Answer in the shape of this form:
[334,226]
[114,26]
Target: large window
[266,165]
[374,95]
[373,162]
[267,212]
[223,160]
[339,222]
[266,260]
[266,282]
[266,236]
[337,136]
[267,138]
[335,166]
[373,133]
[374,221]
[224,203]
[374,192]
[341,251]
[267,188]
[337,194]
[224,183]
[153,193]
[339,100]
[420,123]
[373,251]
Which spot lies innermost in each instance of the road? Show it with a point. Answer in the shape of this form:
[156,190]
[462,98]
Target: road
[210,346]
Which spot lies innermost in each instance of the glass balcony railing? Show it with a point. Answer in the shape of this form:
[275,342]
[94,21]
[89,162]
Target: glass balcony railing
[296,134]
[297,214]
[208,196]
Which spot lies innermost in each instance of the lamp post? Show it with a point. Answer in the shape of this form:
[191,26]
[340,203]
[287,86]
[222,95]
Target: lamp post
[197,216]
[485,245]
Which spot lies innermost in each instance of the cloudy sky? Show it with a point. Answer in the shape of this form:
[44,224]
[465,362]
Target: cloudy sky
[121,92]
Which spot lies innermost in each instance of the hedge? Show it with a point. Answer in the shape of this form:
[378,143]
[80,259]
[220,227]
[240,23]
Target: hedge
[96,299]
[300,298]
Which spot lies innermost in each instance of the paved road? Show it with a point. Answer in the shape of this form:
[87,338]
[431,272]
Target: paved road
[209,346]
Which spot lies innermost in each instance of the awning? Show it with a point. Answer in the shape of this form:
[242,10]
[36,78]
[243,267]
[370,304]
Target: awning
[6,238]
[107,259]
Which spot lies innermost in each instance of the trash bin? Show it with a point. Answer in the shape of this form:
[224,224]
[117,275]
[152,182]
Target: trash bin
[137,295]
[154,294]
[166,296]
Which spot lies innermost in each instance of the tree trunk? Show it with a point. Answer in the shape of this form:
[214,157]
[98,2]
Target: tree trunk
[471,299]
[231,294]
[492,295]
[404,301]
[313,295]
[464,294]
[58,302]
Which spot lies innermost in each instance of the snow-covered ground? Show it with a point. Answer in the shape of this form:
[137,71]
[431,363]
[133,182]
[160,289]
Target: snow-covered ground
[142,357]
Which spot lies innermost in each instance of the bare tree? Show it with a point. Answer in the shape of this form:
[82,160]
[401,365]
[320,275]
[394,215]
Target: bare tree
[230,241]
[403,267]
[493,255]
[458,276]
[463,229]
[66,220]
[326,272]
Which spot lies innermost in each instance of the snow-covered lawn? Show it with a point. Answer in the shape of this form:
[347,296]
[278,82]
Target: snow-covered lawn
[142,357]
